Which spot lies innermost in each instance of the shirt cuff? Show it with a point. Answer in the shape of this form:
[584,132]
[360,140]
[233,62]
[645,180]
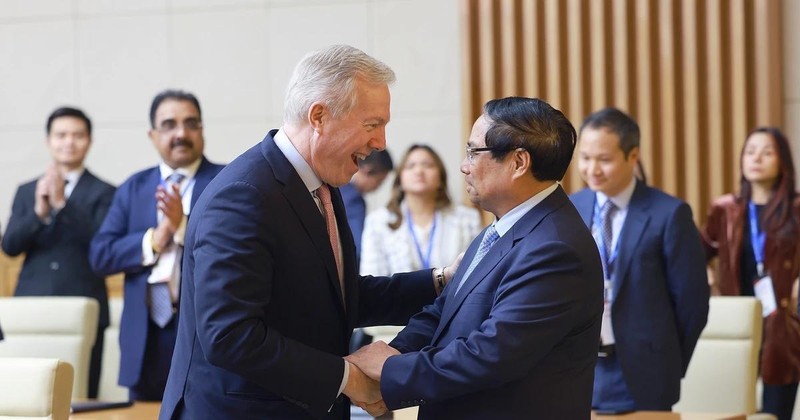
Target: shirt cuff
[345,377]
[180,233]
[149,257]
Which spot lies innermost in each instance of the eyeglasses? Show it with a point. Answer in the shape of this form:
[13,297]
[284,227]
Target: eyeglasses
[472,151]
[170,126]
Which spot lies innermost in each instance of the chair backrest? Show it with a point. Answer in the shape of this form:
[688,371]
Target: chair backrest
[724,368]
[51,327]
[109,389]
[32,388]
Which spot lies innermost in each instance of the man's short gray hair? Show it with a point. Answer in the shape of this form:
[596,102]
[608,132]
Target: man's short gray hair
[329,76]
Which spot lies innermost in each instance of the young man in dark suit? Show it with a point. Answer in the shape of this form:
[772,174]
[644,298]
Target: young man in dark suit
[53,220]
[656,289]
[513,335]
[142,236]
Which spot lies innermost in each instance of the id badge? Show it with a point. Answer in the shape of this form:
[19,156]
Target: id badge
[606,329]
[766,294]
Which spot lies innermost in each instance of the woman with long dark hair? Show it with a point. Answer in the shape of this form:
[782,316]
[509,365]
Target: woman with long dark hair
[756,235]
[420,227]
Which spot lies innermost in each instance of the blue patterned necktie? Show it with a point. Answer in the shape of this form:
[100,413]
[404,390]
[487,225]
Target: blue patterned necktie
[489,238]
[161,309]
[607,213]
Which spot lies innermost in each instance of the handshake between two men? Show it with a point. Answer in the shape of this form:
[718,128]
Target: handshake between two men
[364,385]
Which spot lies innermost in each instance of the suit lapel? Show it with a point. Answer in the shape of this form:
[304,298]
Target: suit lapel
[303,204]
[348,257]
[82,188]
[201,180]
[499,250]
[147,198]
[584,203]
[636,222]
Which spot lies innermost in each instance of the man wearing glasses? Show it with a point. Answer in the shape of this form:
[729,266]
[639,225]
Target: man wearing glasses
[142,236]
[514,334]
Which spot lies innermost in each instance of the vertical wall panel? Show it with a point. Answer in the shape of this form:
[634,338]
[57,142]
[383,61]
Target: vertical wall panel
[622,54]
[668,150]
[577,72]
[645,58]
[738,82]
[689,104]
[713,93]
[696,74]
[768,55]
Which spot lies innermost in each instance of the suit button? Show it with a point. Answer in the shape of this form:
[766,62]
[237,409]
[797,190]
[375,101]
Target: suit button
[787,264]
[54,265]
[784,303]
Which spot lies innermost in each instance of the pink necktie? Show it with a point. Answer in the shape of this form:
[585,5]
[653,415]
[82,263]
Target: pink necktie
[324,194]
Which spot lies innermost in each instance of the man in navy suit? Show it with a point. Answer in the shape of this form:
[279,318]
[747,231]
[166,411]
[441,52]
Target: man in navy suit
[143,234]
[271,291]
[372,171]
[514,335]
[53,220]
[656,287]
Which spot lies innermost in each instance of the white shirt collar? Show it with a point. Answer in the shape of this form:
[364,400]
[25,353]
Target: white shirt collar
[505,223]
[310,179]
[621,200]
[72,177]
[188,171]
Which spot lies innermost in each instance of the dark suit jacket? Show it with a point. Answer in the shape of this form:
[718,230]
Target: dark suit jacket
[519,340]
[356,213]
[660,298]
[117,247]
[57,254]
[263,327]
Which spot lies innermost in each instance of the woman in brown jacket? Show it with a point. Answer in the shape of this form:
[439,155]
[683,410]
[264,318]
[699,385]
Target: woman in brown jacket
[756,236]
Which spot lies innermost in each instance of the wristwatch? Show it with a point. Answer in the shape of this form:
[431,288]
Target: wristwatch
[438,277]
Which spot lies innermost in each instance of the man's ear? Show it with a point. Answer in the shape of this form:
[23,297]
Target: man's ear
[521,161]
[316,116]
[633,154]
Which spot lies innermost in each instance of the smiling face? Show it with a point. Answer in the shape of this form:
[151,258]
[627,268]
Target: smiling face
[338,143]
[760,160]
[178,133]
[68,142]
[602,163]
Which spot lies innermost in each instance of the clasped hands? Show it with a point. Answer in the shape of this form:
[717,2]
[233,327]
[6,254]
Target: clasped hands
[49,193]
[169,202]
[364,385]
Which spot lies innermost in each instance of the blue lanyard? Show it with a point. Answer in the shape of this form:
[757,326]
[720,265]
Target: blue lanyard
[426,260]
[757,238]
[606,259]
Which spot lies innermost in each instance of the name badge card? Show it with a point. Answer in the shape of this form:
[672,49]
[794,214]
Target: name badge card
[606,329]
[765,293]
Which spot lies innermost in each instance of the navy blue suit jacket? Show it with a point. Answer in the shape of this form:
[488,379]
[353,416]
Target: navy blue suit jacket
[263,326]
[519,340]
[57,254]
[117,247]
[660,298]
[356,213]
